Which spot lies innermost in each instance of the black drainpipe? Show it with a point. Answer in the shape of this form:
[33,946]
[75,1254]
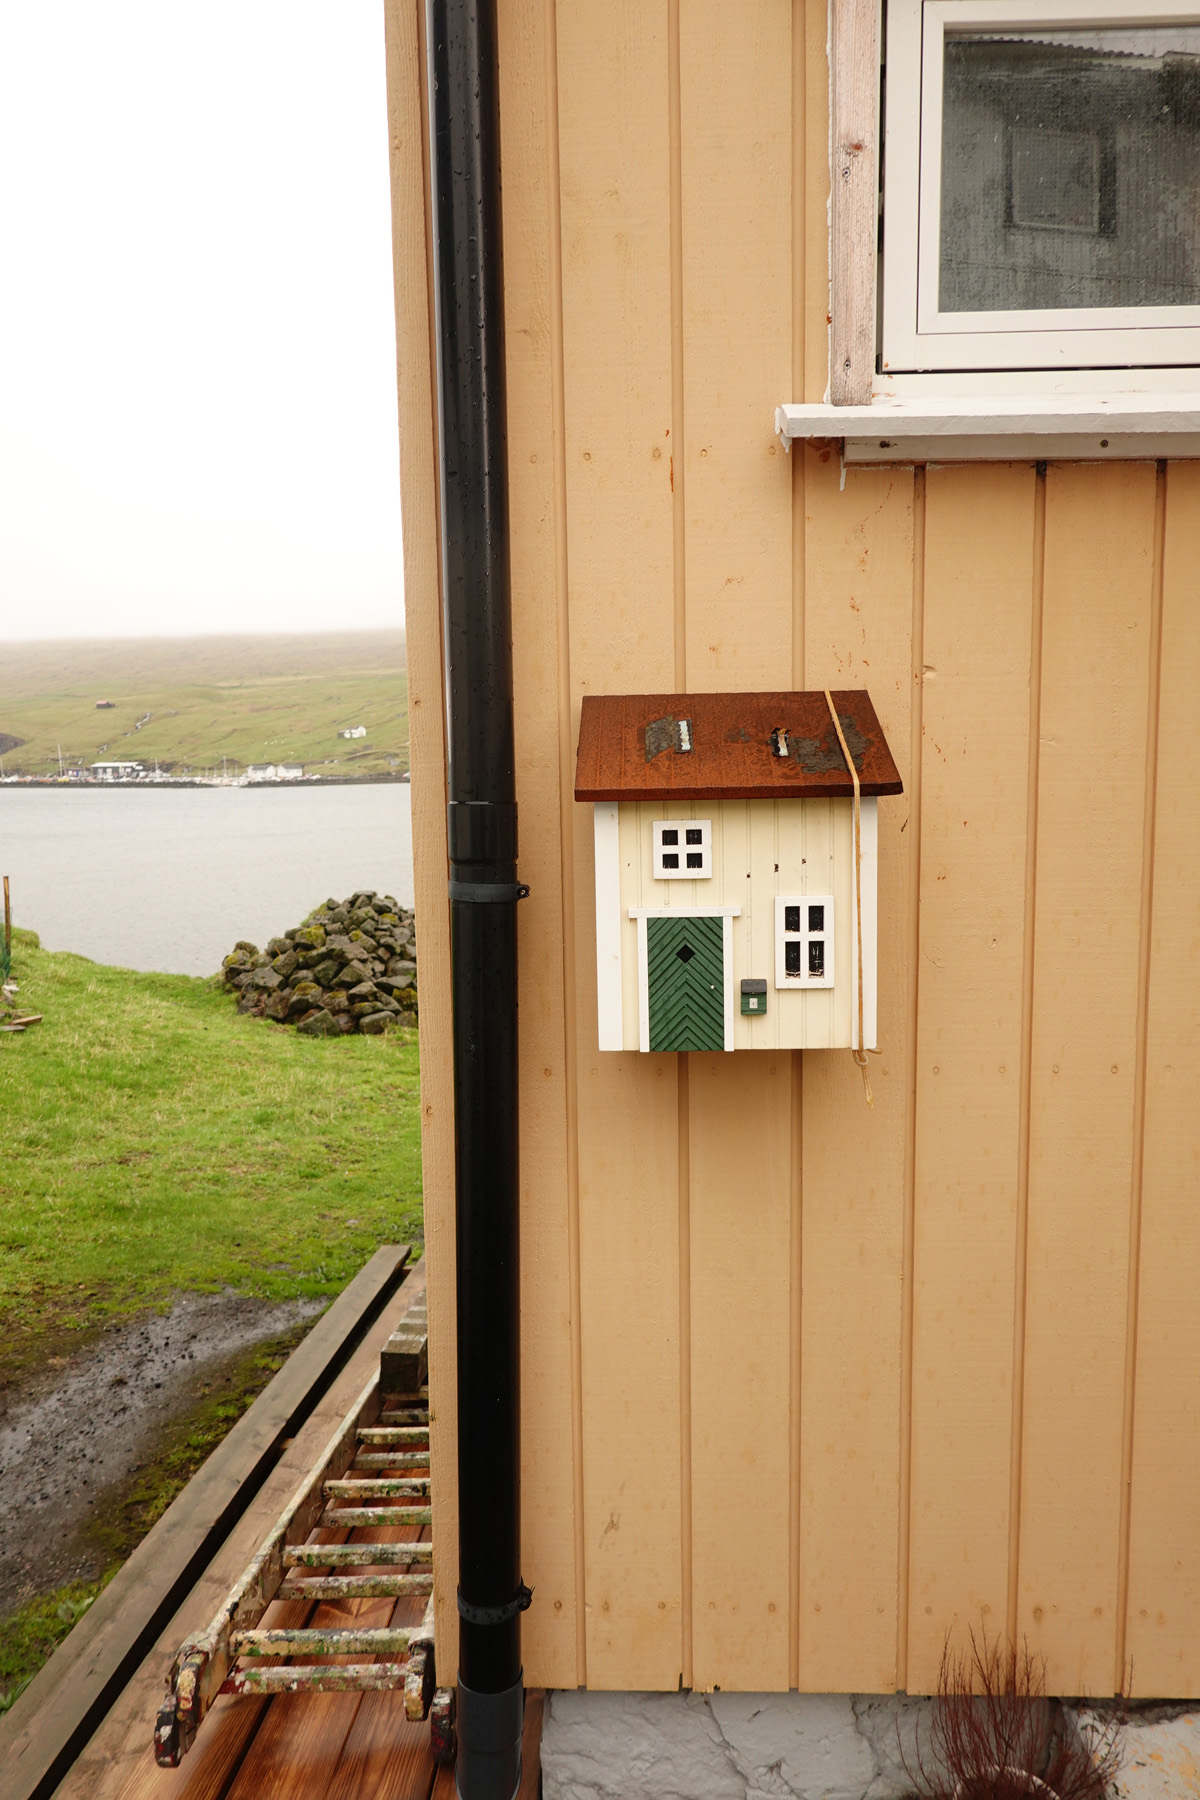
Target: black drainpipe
[483,888]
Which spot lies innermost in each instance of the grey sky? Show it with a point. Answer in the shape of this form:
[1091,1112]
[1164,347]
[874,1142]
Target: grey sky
[197,351]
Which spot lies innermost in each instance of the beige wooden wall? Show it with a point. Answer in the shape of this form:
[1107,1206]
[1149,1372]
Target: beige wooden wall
[806,1385]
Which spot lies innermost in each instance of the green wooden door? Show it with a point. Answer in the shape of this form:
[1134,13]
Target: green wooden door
[686,970]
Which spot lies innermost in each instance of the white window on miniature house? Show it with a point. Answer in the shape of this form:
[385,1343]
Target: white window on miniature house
[804,941]
[1042,203]
[682,849]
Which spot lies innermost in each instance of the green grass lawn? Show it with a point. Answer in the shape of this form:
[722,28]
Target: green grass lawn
[155,1141]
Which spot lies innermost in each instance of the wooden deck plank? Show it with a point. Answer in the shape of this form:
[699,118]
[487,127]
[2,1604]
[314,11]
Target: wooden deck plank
[120,1751]
[386,1756]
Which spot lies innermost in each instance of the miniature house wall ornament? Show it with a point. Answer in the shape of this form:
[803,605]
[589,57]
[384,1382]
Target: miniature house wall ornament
[730,900]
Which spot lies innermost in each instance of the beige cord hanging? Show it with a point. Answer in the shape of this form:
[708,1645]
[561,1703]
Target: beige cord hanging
[859,1053]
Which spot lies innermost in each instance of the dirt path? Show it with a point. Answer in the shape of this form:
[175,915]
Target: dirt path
[73,1433]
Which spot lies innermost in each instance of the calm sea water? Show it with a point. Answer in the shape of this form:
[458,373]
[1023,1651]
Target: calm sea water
[165,878]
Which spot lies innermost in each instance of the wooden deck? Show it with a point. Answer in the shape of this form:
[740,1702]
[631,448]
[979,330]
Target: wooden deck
[340,1746]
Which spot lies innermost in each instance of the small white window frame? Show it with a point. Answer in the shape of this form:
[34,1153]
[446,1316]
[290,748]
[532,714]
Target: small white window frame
[802,982]
[916,337]
[699,872]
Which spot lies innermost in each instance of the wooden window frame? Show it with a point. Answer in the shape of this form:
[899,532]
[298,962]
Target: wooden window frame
[916,336]
[1052,371]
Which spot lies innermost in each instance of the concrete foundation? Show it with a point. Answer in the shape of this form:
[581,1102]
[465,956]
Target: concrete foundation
[598,1746]
[728,1746]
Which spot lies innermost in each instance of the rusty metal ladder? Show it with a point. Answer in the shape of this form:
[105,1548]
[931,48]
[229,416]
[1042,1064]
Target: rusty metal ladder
[366,1478]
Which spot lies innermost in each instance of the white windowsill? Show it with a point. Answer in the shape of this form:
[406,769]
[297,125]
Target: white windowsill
[1002,427]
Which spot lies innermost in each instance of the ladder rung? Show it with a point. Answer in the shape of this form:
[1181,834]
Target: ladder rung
[351,1587]
[378,1640]
[318,1678]
[393,1460]
[393,1434]
[377,1488]
[337,1516]
[354,1556]
[404,1415]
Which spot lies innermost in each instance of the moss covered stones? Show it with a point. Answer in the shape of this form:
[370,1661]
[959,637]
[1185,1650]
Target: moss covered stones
[351,966]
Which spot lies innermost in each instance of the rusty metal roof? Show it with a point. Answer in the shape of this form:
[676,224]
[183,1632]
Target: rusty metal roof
[730,747]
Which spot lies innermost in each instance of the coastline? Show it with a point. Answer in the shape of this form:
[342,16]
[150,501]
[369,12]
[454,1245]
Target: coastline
[171,785]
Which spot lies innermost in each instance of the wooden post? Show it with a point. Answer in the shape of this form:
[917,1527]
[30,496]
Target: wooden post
[854,111]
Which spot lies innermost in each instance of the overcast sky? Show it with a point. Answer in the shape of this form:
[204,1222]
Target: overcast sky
[197,350]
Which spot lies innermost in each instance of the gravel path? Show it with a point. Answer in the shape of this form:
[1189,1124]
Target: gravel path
[77,1429]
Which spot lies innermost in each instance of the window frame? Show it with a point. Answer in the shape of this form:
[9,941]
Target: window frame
[915,338]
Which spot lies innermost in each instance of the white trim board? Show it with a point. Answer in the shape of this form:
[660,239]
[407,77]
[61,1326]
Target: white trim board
[685,912]
[1000,427]
[609,998]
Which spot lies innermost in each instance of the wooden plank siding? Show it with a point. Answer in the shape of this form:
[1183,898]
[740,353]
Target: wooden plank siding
[810,1385]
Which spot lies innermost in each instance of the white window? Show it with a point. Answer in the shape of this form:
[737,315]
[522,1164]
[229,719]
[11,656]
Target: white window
[682,849]
[1041,202]
[804,941]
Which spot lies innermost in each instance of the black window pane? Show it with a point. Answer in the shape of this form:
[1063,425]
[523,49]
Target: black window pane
[694,836]
[816,956]
[791,958]
[816,918]
[695,859]
[671,860]
[670,837]
[791,918]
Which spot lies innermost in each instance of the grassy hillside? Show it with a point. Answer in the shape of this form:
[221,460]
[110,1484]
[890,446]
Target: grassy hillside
[155,1140]
[245,699]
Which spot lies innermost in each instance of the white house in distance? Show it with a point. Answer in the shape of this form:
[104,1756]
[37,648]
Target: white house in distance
[354,731]
[257,772]
[116,771]
[736,869]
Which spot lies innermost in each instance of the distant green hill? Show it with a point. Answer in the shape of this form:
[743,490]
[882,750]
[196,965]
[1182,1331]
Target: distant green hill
[192,702]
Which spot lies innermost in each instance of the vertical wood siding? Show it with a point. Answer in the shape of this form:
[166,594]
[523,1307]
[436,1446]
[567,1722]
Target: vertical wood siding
[808,1386]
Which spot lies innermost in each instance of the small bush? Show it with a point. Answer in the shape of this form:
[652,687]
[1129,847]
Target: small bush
[996,1735]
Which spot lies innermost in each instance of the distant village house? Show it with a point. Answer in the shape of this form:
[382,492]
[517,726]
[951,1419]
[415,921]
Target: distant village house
[116,771]
[275,772]
[105,705]
[355,731]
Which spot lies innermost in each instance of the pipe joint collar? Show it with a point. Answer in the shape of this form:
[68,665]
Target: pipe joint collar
[490,1728]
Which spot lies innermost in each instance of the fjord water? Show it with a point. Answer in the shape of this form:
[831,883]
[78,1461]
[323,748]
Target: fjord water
[171,878]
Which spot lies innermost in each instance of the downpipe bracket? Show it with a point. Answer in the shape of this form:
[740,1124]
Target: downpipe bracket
[483,893]
[495,1615]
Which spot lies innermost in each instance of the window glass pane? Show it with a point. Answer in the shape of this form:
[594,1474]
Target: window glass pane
[1071,168]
